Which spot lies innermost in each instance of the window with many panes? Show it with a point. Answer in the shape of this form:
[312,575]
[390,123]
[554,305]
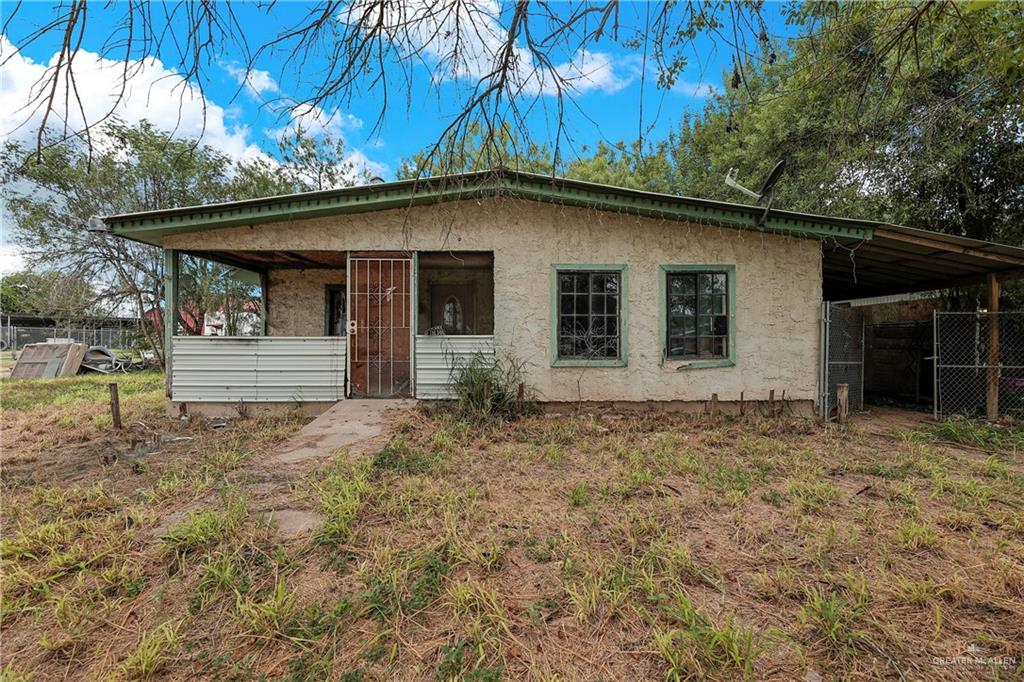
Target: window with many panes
[589,314]
[698,314]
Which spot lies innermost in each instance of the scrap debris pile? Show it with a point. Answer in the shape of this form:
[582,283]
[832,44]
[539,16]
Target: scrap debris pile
[65,359]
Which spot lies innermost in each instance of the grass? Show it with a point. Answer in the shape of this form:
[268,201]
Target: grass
[980,434]
[589,546]
[24,394]
[700,649]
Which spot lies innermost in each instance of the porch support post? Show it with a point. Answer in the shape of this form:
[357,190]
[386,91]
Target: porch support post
[414,307]
[172,267]
[992,397]
[264,301]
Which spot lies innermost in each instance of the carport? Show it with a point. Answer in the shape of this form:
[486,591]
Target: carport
[977,357]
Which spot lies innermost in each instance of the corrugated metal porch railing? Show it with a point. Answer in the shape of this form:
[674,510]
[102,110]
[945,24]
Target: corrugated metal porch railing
[435,357]
[258,368]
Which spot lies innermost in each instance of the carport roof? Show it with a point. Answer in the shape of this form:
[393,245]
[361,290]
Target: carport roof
[860,257]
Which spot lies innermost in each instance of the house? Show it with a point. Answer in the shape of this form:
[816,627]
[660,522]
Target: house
[604,293]
[247,320]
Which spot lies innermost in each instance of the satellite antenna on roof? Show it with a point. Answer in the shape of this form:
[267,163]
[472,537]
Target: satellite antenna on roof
[767,189]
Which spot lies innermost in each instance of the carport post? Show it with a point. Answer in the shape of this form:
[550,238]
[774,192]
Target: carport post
[992,397]
[172,266]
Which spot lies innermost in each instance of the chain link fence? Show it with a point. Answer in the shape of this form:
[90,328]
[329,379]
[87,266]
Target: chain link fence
[842,361]
[979,364]
[14,337]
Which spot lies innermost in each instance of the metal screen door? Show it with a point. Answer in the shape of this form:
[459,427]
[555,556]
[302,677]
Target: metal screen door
[380,327]
[842,356]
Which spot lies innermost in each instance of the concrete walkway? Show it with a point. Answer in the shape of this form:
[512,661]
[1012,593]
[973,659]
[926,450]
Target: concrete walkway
[348,423]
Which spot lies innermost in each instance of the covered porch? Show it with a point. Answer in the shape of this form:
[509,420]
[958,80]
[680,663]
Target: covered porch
[336,325]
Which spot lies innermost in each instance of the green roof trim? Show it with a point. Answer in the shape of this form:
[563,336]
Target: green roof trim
[153,226]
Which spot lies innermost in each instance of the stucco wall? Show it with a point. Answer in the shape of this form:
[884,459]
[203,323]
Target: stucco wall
[296,301]
[777,308]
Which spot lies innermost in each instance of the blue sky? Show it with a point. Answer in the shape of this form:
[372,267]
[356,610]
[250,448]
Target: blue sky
[244,118]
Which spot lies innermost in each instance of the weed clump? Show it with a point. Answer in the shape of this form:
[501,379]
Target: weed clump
[492,387]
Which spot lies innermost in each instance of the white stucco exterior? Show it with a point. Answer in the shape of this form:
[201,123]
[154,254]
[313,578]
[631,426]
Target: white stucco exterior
[778,289]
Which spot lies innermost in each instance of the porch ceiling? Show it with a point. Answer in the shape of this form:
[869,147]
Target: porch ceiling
[261,261]
[902,259]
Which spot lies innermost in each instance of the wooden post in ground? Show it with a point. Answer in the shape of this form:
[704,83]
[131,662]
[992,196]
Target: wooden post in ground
[992,391]
[771,403]
[842,402]
[714,406]
[115,406]
[742,406]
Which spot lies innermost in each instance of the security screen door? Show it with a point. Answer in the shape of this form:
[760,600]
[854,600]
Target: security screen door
[380,326]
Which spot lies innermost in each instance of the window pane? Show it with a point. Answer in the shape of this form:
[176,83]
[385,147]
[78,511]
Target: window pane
[582,282]
[588,308]
[582,304]
[698,314]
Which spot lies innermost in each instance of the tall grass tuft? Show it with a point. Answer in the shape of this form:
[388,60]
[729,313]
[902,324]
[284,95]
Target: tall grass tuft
[491,388]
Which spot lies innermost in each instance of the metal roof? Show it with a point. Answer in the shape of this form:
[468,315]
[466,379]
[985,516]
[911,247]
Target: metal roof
[860,257]
[152,226]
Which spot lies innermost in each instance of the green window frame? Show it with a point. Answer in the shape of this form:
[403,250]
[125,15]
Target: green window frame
[675,355]
[596,306]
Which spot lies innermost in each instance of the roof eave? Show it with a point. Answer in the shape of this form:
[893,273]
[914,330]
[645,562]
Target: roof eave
[158,224]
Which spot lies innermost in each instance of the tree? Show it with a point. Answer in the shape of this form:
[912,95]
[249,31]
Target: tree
[508,58]
[318,162]
[137,168]
[47,293]
[479,149]
[625,165]
[932,139]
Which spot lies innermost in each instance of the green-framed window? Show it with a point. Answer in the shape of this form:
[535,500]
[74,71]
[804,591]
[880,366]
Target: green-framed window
[589,315]
[698,314]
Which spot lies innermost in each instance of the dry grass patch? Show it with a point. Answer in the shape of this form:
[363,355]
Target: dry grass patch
[591,546]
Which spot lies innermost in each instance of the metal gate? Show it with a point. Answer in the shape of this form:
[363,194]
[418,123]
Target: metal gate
[380,326]
[842,356]
[979,364]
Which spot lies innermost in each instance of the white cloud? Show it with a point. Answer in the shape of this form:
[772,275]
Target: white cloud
[256,81]
[593,71]
[153,92]
[363,166]
[696,89]
[315,121]
[429,31]
[11,259]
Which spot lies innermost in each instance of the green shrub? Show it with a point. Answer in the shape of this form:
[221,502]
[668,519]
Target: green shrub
[491,388]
